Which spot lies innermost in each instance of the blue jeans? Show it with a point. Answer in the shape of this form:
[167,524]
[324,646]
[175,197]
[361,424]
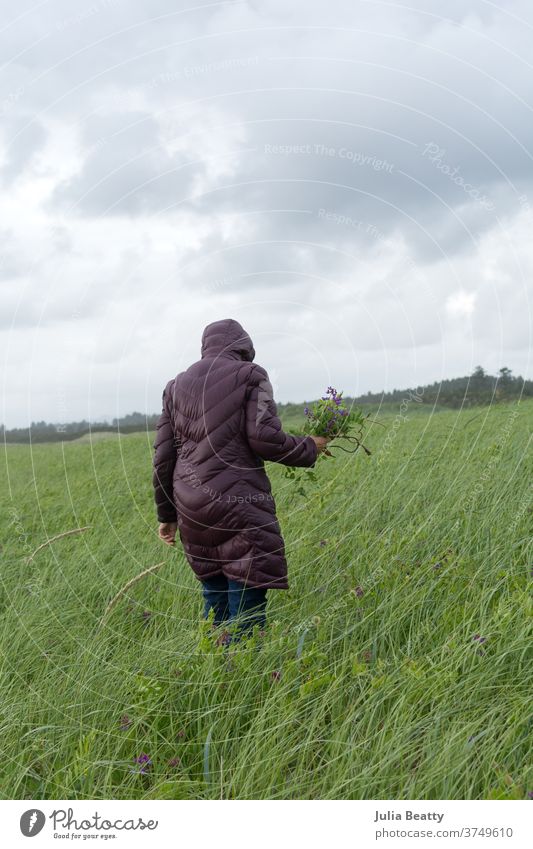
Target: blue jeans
[234,602]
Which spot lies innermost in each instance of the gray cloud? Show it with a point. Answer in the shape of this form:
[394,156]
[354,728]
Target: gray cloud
[125,170]
[31,137]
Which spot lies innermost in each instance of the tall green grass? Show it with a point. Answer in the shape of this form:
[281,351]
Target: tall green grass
[398,665]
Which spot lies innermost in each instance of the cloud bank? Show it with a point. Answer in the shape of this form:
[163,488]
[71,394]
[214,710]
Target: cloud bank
[350,180]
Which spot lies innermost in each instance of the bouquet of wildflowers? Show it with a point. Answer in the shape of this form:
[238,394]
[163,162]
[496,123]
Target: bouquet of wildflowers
[330,417]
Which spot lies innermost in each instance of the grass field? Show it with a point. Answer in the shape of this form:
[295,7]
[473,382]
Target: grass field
[398,666]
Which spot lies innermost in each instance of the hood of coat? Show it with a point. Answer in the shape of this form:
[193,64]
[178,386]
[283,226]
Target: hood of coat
[227,338]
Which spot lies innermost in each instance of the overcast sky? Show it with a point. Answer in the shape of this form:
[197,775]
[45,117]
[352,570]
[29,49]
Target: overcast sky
[349,179]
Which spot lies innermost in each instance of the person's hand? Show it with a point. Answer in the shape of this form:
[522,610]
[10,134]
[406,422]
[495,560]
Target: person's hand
[167,532]
[321,443]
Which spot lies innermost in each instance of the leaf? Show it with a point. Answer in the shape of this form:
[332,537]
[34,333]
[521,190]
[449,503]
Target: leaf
[301,641]
[315,684]
[207,748]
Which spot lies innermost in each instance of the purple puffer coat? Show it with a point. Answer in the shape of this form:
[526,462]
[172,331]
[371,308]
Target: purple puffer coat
[218,426]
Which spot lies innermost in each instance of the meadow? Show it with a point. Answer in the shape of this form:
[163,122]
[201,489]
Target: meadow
[397,666]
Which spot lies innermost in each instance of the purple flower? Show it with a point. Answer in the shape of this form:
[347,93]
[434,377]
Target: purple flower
[276,675]
[479,639]
[224,639]
[359,592]
[125,722]
[144,762]
[174,762]
[530,794]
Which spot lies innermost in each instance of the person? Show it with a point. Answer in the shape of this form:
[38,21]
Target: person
[218,425]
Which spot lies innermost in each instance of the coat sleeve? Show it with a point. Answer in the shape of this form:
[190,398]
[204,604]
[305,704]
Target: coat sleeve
[166,453]
[264,430]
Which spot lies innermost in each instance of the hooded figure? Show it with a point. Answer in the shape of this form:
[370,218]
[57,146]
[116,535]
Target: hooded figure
[218,425]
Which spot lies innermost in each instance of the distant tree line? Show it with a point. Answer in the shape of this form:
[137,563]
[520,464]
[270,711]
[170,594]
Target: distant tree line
[477,389]
[45,432]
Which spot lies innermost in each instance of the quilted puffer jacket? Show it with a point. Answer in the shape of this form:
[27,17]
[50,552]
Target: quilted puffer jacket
[218,425]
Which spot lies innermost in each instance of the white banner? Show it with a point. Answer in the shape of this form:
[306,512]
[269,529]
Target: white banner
[268,824]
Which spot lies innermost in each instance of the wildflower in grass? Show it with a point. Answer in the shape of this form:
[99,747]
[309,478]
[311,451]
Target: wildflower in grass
[530,794]
[224,639]
[143,763]
[323,543]
[276,675]
[125,722]
[479,640]
[181,734]
[147,615]
[174,762]
[358,591]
